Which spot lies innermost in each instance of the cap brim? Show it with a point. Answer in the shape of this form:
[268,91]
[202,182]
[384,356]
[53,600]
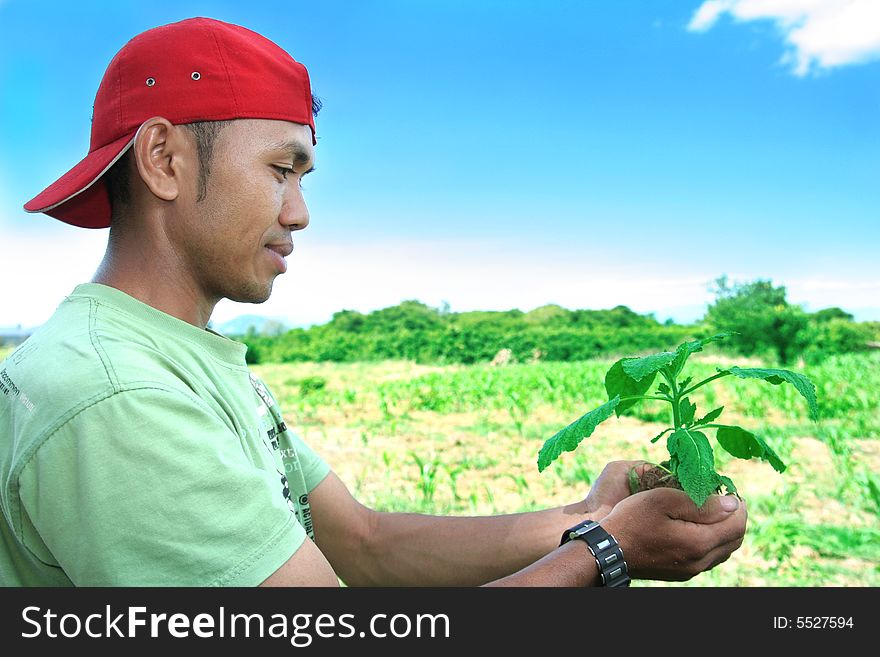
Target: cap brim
[79,197]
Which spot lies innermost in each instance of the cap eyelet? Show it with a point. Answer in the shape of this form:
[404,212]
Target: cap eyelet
[196,75]
[151,82]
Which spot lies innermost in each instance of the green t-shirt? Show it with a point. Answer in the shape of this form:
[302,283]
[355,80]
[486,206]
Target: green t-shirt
[137,449]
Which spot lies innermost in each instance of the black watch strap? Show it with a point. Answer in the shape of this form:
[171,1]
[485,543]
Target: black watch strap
[604,548]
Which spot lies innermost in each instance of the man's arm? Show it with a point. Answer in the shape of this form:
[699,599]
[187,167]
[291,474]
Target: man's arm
[370,548]
[662,533]
[343,535]
[307,567]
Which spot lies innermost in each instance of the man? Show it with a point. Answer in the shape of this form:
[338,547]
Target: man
[135,446]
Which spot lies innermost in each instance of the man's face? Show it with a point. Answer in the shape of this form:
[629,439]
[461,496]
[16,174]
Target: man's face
[237,237]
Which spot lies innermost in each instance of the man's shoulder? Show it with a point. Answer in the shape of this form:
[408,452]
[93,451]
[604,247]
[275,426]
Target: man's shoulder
[80,356]
[58,357]
[73,351]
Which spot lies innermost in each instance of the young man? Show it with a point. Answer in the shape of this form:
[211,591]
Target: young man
[135,446]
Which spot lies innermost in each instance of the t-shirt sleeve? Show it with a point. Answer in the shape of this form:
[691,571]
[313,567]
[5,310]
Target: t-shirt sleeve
[313,467]
[150,488]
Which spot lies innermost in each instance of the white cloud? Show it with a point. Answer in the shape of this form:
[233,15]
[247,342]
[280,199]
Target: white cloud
[707,14]
[859,297]
[323,279]
[820,34]
[39,270]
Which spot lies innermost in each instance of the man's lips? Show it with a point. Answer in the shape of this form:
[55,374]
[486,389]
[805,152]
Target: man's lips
[280,250]
[283,249]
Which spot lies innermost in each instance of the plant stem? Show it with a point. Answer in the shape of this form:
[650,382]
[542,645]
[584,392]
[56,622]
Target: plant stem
[676,396]
[704,382]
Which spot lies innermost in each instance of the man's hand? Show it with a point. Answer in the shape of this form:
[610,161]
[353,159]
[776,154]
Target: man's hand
[611,487]
[665,536]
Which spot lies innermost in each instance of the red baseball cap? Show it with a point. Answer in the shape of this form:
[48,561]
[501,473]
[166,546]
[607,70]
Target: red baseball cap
[199,69]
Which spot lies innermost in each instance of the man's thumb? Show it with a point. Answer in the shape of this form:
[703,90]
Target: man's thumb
[715,509]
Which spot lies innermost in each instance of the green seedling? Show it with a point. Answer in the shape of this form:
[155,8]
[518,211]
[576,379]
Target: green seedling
[691,463]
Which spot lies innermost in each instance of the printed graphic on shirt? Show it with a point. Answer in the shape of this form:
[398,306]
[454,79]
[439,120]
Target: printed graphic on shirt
[306,517]
[9,389]
[260,387]
[274,431]
[274,427]
[285,485]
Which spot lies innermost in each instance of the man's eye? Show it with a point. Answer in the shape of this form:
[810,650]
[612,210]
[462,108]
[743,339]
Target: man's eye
[284,171]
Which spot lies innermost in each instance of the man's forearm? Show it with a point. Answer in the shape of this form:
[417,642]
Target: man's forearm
[570,565]
[408,549]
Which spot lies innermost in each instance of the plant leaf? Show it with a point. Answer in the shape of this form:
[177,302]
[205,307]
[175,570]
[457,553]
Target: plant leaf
[639,368]
[711,415]
[661,434]
[684,350]
[684,383]
[696,464]
[686,411]
[801,383]
[744,444]
[617,382]
[634,481]
[874,490]
[663,389]
[728,484]
[570,437]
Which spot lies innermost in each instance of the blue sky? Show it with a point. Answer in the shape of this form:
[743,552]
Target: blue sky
[493,155]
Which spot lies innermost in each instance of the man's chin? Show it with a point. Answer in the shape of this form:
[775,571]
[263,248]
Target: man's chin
[252,294]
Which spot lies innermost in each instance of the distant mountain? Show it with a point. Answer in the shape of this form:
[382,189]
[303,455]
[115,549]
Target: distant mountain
[12,335]
[260,325]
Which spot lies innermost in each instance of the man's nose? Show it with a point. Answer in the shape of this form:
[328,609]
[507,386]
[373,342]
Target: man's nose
[294,212]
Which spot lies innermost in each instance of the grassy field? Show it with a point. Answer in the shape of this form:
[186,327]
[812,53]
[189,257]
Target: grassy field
[463,440]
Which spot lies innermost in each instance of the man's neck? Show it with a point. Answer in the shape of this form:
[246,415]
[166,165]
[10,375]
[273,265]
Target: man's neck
[155,282]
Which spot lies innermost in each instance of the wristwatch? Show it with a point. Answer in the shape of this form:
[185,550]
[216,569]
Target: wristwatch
[604,547]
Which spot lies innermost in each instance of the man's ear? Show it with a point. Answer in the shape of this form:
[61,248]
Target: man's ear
[164,158]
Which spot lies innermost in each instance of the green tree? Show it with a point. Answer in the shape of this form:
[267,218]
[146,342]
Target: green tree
[826,337]
[829,314]
[349,321]
[760,315]
[549,315]
[410,315]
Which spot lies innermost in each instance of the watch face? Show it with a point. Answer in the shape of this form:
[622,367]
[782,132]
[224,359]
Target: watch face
[587,528]
[577,531]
